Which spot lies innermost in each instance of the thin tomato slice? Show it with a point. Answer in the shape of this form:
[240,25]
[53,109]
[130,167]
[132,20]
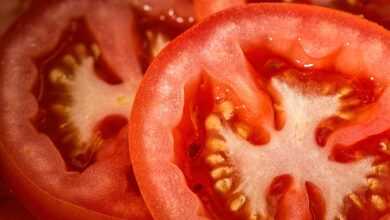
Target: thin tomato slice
[69,70]
[267,111]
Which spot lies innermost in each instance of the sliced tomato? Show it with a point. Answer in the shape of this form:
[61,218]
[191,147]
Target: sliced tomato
[267,111]
[68,73]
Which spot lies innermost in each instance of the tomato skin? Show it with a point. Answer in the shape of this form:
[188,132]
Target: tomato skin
[160,98]
[30,162]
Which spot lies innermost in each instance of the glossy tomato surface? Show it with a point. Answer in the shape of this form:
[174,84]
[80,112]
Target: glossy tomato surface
[267,111]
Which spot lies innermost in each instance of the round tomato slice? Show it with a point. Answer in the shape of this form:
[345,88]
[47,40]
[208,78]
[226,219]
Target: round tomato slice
[69,70]
[267,111]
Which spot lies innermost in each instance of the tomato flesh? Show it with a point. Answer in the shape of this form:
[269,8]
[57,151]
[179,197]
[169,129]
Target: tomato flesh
[262,116]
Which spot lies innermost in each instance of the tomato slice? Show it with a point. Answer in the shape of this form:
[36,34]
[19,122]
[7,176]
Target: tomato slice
[69,70]
[267,111]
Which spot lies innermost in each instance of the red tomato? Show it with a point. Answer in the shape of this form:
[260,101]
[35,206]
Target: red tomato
[267,111]
[68,73]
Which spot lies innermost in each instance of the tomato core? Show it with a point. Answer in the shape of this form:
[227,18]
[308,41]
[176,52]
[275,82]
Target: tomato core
[219,149]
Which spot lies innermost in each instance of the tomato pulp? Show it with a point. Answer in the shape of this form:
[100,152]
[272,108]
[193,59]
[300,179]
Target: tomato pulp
[267,111]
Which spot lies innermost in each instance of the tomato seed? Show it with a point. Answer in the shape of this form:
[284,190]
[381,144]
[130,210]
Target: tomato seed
[215,159]
[223,185]
[237,203]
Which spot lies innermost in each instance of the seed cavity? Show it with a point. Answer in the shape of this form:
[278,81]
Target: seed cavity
[237,203]
[223,185]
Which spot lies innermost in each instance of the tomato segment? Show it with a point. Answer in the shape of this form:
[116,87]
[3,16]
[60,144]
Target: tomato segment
[254,101]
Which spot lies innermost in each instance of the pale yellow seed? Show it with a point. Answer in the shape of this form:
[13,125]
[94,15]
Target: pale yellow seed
[344,91]
[253,217]
[381,169]
[81,50]
[215,159]
[95,50]
[213,122]
[60,109]
[378,202]
[256,216]
[223,185]
[220,172]
[242,130]
[158,43]
[385,146]
[356,200]
[373,184]
[58,76]
[345,115]
[237,203]
[123,100]
[340,217]
[226,109]
[216,144]
[70,61]
[350,102]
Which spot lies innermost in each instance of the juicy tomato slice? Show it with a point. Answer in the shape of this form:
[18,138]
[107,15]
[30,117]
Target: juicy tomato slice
[69,70]
[267,111]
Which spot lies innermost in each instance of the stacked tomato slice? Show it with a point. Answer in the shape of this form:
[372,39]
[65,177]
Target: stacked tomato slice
[263,111]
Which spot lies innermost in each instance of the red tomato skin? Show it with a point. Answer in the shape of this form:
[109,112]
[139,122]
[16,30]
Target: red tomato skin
[160,95]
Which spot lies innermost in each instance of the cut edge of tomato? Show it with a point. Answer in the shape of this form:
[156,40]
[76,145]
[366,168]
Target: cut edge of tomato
[147,134]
